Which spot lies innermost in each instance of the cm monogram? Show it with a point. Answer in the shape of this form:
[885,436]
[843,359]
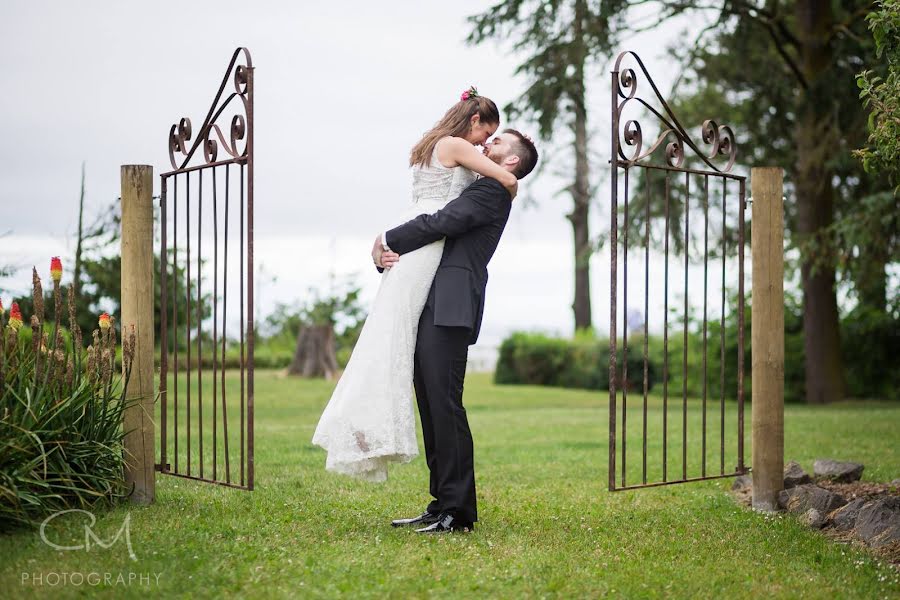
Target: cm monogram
[89,535]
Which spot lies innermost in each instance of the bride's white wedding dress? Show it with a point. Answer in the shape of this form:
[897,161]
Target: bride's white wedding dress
[369,421]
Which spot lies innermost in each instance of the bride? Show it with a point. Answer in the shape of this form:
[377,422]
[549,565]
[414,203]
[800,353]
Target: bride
[368,422]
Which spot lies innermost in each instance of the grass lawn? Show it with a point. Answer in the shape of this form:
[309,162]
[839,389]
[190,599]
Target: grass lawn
[547,527]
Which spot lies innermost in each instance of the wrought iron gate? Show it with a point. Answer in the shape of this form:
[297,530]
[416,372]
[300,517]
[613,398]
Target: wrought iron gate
[674,179]
[213,189]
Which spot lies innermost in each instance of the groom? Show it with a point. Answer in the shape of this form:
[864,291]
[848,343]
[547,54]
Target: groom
[450,322]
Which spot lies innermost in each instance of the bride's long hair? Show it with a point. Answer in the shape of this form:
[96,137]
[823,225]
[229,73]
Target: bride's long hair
[455,122]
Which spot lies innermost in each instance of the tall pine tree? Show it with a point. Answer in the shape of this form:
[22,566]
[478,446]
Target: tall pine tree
[560,40]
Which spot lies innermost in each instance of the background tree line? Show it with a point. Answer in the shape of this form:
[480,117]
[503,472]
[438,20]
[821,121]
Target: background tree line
[95,269]
[786,75]
[334,316]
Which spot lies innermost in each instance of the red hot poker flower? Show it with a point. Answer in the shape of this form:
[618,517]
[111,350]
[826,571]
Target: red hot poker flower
[56,269]
[15,316]
[104,321]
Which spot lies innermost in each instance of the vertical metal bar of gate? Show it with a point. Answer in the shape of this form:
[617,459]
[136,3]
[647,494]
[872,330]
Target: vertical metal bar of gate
[613,283]
[251,332]
[637,168]
[202,312]
[740,350]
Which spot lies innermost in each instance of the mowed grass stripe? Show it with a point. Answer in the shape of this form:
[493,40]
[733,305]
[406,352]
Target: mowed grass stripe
[548,527]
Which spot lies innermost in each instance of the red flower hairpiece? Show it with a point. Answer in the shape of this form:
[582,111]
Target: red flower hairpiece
[469,93]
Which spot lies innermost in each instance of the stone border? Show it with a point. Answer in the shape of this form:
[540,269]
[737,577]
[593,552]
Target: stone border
[836,502]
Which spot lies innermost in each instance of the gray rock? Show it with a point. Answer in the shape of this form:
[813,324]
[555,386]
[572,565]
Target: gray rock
[794,475]
[878,523]
[844,518]
[896,483]
[814,519]
[837,471]
[804,497]
[742,482]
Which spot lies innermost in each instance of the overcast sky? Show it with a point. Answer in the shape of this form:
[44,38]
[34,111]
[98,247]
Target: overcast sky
[343,90]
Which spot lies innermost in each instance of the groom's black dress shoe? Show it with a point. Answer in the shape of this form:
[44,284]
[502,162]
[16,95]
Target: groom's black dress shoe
[447,523]
[426,518]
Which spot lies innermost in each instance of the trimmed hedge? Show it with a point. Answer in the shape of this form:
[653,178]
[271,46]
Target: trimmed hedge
[537,359]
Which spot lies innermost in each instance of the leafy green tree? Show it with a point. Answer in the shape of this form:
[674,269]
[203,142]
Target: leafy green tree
[99,275]
[102,277]
[876,223]
[561,41]
[339,308]
[881,94]
[781,73]
[101,280]
[320,332]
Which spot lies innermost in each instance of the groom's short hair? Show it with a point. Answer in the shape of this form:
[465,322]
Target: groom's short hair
[525,150]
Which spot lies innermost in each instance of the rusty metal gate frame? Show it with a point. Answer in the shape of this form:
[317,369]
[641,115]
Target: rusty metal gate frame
[240,71]
[722,142]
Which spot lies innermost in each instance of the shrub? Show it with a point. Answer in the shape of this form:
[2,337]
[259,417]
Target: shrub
[537,359]
[61,438]
[531,358]
[870,341]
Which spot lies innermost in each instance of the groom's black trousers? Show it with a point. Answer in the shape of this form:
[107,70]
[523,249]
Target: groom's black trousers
[440,368]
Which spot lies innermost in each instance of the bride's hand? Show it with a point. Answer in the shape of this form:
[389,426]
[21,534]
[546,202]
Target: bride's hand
[513,189]
[383,259]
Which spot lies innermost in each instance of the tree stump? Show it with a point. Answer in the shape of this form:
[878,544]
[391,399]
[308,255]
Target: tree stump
[315,355]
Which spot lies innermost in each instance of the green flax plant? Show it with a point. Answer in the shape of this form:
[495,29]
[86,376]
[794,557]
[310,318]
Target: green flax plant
[61,406]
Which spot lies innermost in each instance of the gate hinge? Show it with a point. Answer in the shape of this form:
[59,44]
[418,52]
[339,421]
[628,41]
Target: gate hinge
[162,468]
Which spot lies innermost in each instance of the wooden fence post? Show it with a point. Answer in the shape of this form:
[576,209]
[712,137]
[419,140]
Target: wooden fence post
[137,310]
[767,335]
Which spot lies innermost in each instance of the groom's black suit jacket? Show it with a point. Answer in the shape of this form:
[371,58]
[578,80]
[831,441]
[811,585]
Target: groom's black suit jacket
[472,224]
